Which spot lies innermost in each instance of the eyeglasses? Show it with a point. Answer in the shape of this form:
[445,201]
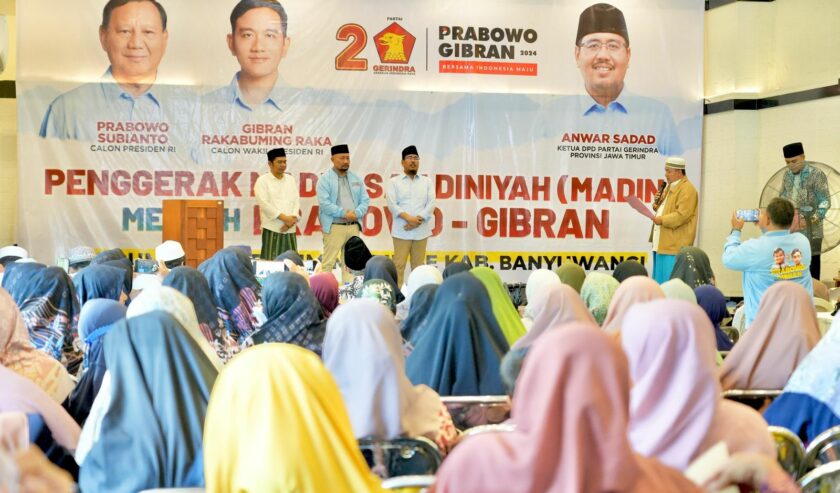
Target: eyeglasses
[595,46]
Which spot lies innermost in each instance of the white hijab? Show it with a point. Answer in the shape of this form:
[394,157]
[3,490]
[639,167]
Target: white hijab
[363,351]
[538,281]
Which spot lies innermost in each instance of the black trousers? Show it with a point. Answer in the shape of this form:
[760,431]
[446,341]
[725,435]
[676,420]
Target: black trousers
[816,246]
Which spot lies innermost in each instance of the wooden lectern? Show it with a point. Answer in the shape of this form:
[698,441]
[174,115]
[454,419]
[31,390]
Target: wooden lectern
[197,224]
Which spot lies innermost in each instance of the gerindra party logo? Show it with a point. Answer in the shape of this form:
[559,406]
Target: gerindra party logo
[394,46]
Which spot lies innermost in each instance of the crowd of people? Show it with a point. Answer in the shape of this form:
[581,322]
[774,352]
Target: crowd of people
[213,378]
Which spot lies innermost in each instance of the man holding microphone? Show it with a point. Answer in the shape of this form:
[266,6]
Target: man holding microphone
[675,222]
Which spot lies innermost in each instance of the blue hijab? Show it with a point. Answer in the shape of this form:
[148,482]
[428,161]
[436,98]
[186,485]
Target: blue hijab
[459,347]
[96,319]
[455,268]
[127,269]
[713,303]
[151,434]
[418,309]
[99,281]
[230,275]
[49,308]
[381,267]
[108,255]
[194,286]
[293,313]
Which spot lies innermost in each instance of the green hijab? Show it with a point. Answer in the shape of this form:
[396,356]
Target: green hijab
[572,274]
[503,309]
[597,292]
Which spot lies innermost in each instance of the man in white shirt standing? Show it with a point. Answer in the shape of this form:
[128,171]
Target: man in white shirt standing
[411,198]
[278,196]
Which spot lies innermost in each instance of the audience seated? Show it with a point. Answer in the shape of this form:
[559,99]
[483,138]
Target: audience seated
[19,355]
[552,306]
[597,292]
[571,274]
[421,302]
[676,408]
[325,288]
[783,333]
[692,266]
[293,314]
[363,351]
[455,268]
[380,291]
[633,290]
[503,309]
[458,349]
[810,403]
[192,284]
[538,280]
[382,267]
[235,290]
[627,269]
[713,302]
[421,276]
[97,318]
[160,382]
[100,281]
[677,289]
[283,395]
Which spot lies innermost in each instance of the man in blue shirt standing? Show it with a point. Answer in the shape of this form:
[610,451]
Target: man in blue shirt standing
[342,201]
[770,257]
[411,199]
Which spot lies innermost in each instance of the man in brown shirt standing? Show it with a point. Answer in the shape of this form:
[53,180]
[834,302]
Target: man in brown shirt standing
[675,222]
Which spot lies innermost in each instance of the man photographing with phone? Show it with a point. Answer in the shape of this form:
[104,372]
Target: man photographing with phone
[675,222]
[777,255]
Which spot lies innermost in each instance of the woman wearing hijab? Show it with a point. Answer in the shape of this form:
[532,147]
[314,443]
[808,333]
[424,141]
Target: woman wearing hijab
[379,291]
[98,316]
[49,308]
[363,351]
[676,408]
[810,403]
[124,265]
[538,281]
[191,283]
[455,268]
[693,267]
[107,256]
[293,315]
[677,289]
[713,302]
[597,292]
[419,277]
[325,288]
[150,435]
[554,305]
[627,269]
[571,414]
[291,431]
[381,267]
[782,334]
[421,302]
[290,255]
[235,290]
[503,309]
[630,292]
[573,275]
[458,349]
[99,281]
[20,356]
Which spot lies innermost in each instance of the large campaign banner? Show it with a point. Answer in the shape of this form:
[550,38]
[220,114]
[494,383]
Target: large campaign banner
[536,119]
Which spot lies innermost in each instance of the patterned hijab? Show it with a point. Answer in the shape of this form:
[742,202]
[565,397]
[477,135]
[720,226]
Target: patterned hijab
[194,286]
[235,289]
[458,349]
[573,275]
[20,356]
[693,267]
[503,309]
[381,267]
[284,395]
[379,291]
[49,308]
[597,292]
[99,281]
[363,351]
[782,334]
[292,311]
[151,434]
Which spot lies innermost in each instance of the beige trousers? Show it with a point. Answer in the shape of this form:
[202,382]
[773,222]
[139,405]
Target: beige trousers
[402,250]
[334,243]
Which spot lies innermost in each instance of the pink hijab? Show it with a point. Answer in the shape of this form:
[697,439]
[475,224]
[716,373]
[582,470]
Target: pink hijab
[570,411]
[636,289]
[675,402]
[555,305]
[21,395]
[782,334]
[19,355]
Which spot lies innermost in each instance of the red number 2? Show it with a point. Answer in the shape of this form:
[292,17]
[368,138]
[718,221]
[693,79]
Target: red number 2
[346,60]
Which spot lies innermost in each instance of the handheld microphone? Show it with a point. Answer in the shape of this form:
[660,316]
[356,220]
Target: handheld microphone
[661,187]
